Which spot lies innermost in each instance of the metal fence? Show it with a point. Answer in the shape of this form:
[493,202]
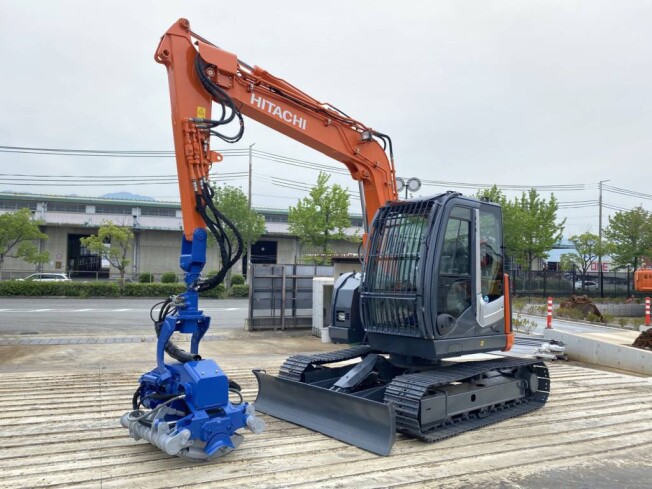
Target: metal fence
[280,296]
[552,283]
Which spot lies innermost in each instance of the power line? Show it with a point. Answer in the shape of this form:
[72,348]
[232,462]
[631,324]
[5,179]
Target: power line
[13,149]
[577,204]
[628,193]
[302,164]
[615,207]
[591,216]
[175,182]
[281,182]
[103,178]
[122,183]
[18,178]
[105,153]
[477,186]
[25,176]
[298,185]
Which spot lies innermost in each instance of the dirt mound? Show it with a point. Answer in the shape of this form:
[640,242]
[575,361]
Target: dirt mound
[583,305]
[644,340]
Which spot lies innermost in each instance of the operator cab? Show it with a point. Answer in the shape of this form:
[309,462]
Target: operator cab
[433,282]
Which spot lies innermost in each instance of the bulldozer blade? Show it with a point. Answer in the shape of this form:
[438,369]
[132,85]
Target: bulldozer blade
[367,424]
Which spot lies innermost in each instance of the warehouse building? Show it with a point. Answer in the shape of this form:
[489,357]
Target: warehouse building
[157,228]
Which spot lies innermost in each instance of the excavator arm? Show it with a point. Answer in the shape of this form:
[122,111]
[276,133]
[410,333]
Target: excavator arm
[188,409]
[200,73]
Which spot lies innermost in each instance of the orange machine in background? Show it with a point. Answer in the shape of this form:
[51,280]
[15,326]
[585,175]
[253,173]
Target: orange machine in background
[643,280]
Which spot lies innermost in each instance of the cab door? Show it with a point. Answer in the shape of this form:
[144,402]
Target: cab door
[453,315]
[488,269]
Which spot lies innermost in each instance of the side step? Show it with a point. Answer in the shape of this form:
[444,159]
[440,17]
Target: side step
[368,424]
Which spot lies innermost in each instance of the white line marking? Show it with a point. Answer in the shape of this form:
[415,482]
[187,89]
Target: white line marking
[120,310]
[222,309]
[41,310]
[82,310]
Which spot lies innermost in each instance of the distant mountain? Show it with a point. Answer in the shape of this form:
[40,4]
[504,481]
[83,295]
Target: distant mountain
[126,196]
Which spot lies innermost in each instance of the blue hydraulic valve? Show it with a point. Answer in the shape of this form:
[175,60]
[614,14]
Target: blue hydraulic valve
[188,411]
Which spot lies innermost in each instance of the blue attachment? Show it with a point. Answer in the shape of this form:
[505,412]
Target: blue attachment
[189,319]
[205,410]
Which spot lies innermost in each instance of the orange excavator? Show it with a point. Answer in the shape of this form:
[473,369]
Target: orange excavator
[643,279]
[432,287]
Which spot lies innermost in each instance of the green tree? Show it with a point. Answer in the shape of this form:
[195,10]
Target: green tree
[234,204]
[568,262]
[17,234]
[587,250]
[493,194]
[530,225]
[511,223]
[538,230]
[629,237]
[113,243]
[322,216]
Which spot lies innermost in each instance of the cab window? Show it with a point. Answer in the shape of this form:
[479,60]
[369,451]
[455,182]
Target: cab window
[491,257]
[454,281]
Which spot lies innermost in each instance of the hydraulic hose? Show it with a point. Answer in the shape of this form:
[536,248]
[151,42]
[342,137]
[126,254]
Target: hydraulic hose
[218,224]
[179,354]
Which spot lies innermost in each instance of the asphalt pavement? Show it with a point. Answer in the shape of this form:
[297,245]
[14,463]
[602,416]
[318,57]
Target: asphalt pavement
[568,326]
[108,316]
[67,315]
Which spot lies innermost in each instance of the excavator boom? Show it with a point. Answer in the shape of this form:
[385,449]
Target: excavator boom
[199,75]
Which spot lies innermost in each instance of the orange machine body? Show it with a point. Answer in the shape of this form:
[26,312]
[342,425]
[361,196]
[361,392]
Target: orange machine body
[643,280]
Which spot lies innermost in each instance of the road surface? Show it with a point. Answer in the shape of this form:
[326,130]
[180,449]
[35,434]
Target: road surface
[568,326]
[63,315]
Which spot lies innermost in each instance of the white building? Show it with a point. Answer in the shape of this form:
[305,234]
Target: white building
[157,228]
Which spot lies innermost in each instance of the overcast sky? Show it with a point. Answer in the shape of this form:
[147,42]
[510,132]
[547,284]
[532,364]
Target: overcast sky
[481,92]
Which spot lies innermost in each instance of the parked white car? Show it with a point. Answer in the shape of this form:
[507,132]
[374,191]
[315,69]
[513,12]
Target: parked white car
[588,285]
[47,277]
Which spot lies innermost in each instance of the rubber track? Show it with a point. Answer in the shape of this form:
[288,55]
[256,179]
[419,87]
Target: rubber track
[406,391]
[293,367]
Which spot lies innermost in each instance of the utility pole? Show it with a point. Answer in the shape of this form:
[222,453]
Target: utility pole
[249,281]
[600,236]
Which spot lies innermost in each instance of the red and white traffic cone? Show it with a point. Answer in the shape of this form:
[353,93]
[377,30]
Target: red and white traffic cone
[647,311]
[549,317]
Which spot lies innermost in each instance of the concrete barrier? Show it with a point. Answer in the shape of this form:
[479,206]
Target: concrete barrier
[597,352]
[622,310]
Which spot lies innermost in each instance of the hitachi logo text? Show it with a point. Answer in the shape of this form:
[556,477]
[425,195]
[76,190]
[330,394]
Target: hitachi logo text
[277,111]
